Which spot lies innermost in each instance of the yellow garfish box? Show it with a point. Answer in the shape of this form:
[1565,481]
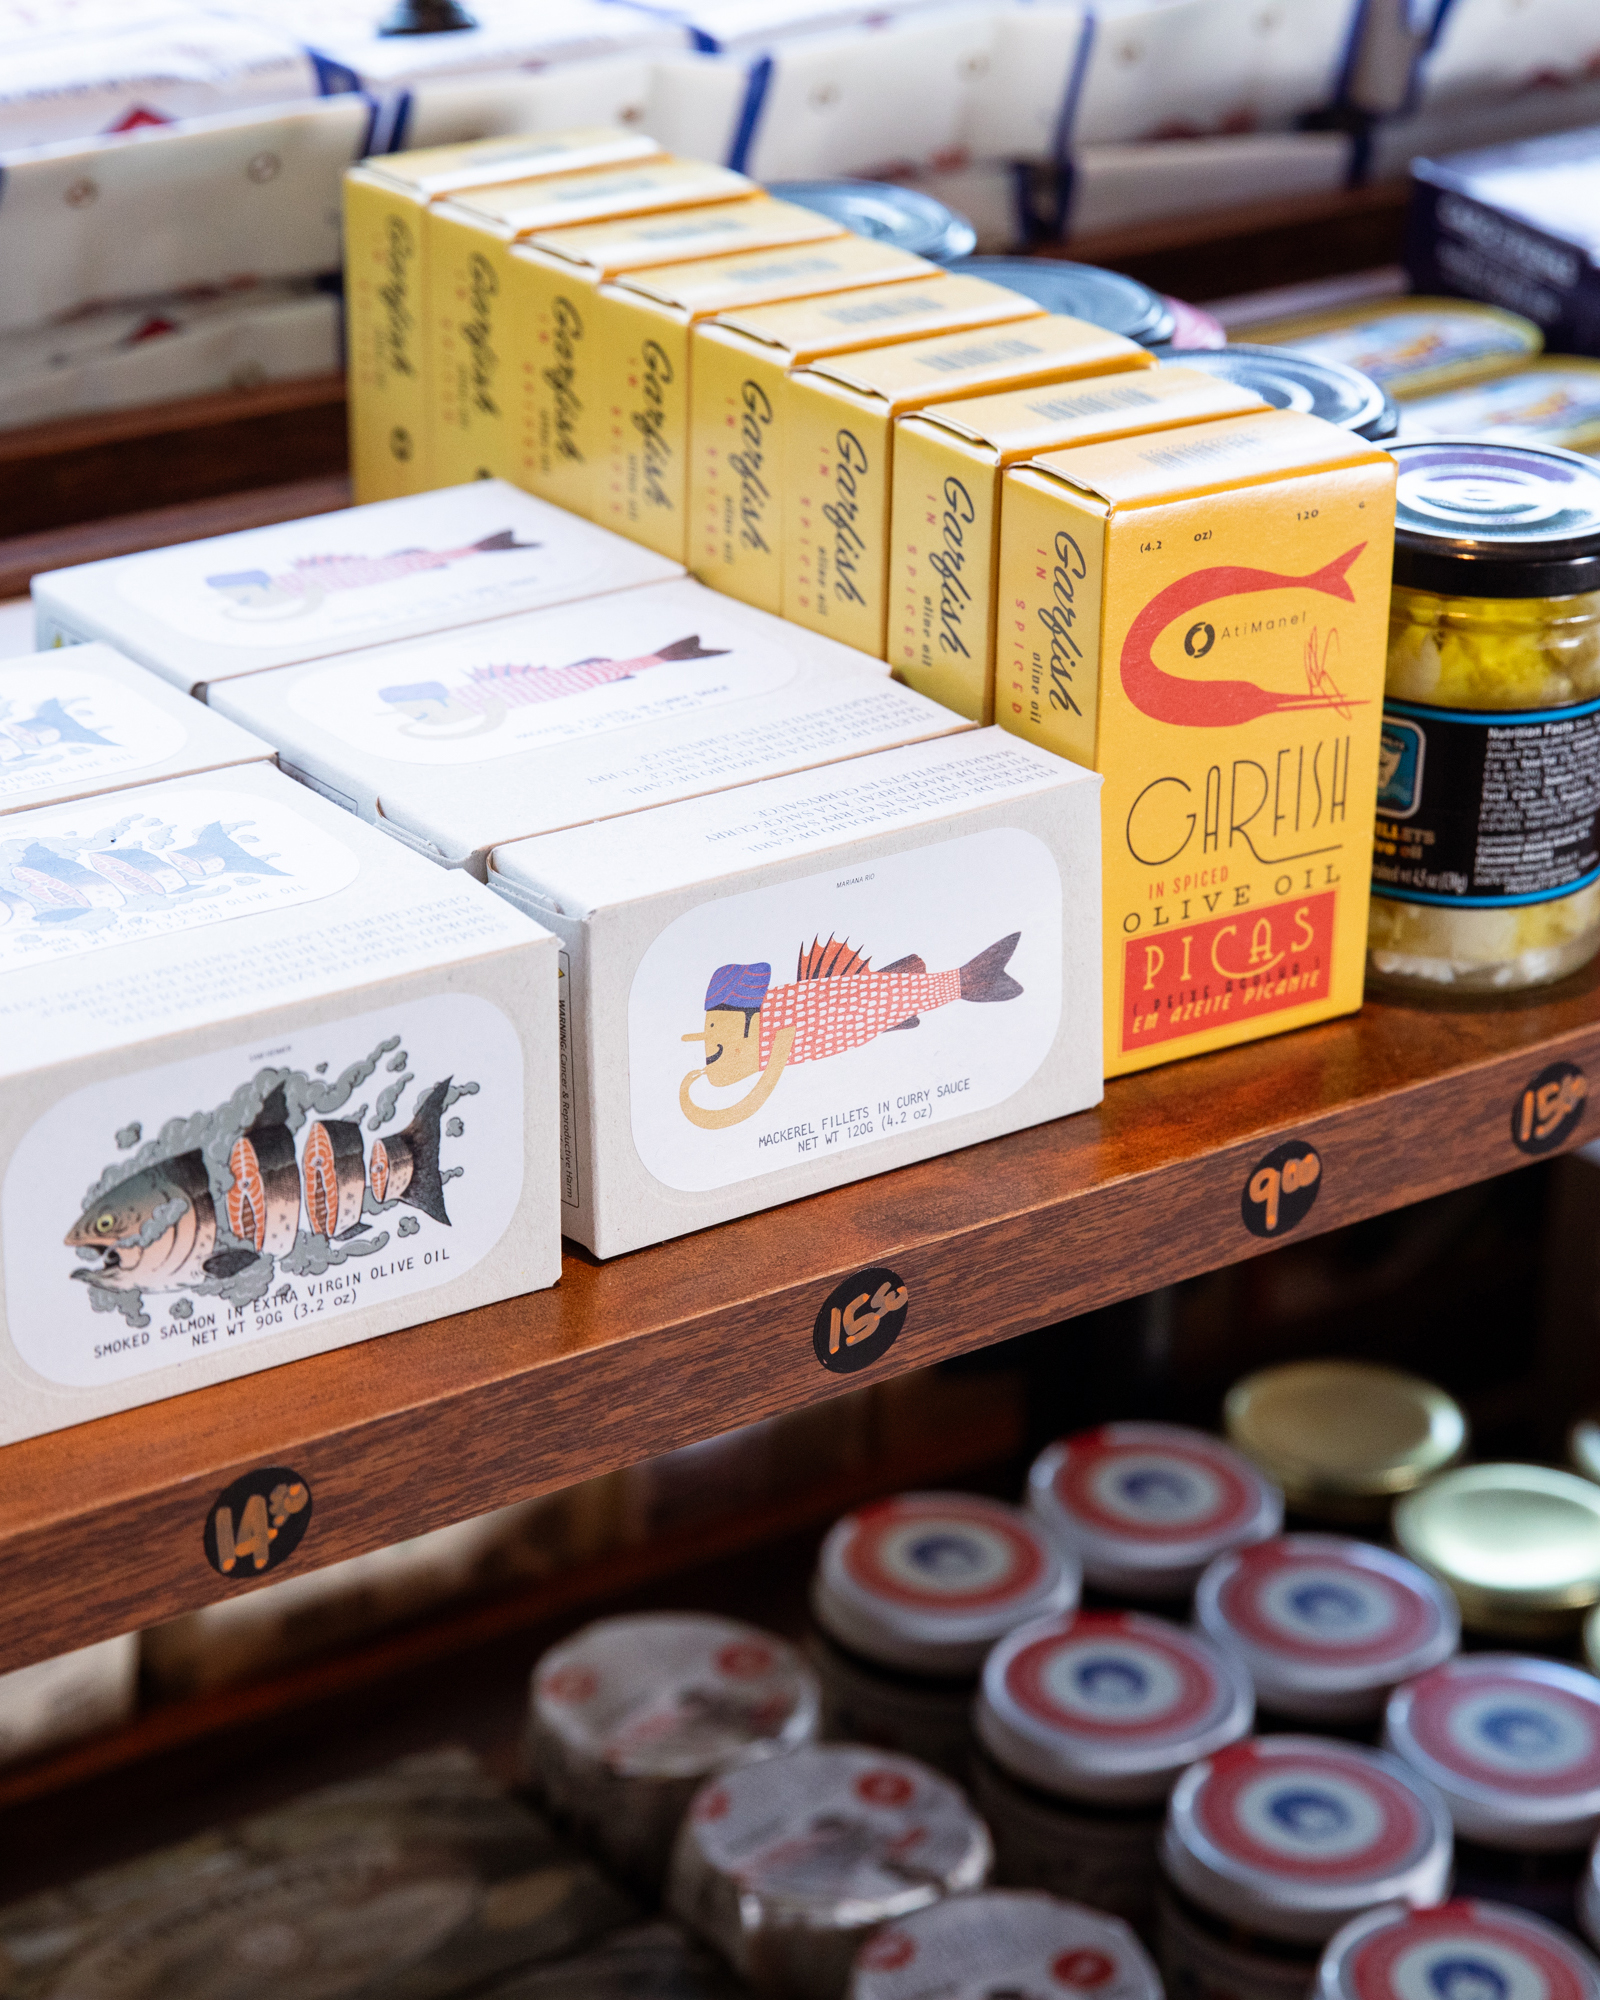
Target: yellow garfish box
[386,282]
[739,407]
[1201,615]
[944,518]
[836,544]
[642,336]
[471,364]
[565,389]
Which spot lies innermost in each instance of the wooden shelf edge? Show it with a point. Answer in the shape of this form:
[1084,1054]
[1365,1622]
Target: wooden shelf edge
[167,419]
[101,1525]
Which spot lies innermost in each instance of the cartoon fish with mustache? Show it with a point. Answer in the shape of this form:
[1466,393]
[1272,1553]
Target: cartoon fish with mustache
[482,701]
[157,1230]
[307,584]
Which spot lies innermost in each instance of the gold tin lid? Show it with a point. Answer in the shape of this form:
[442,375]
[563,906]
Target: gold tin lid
[1518,1544]
[1344,1438]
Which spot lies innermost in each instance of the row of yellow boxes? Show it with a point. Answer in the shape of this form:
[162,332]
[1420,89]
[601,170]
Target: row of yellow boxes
[1140,568]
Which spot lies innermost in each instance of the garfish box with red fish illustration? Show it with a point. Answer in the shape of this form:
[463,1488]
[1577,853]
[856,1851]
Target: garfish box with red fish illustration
[270,1084]
[202,612]
[1201,615]
[526,725]
[810,980]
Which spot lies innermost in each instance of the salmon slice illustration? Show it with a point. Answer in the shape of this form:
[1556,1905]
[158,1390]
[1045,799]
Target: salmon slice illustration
[310,579]
[835,1002]
[157,1231]
[489,692]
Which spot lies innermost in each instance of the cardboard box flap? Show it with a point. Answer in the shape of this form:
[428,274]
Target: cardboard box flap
[951,364]
[1019,422]
[1238,451]
[610,248]
[528,206]
[434,171]
[810,328]
[702,840]
[751,278]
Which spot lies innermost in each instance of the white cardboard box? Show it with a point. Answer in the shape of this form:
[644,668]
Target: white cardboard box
[75,1694]
[98,723]
[922,882]
[301,590]
[269,1085]
[530,724]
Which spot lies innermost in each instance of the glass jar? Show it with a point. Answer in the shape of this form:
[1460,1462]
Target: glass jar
[1486,863]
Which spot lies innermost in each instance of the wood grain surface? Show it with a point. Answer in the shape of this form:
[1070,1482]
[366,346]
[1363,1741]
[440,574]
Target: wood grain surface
[101,1526]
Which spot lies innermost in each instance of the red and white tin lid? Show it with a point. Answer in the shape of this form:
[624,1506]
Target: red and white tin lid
[1513,1744]
[1292,1836]
[1108,1705]
[1326,1625]
[1461,1951]
[1005,1941]
[1144,1507]
[929,1581]
[673,1695]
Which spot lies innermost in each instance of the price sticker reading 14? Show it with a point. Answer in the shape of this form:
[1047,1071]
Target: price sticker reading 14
[257,1522]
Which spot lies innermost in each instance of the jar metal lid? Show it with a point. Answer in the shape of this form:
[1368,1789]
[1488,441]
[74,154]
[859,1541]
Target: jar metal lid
[1108,1705]
[907,218]
[1496,520]
[929,1581]
[1512,1743]
[1145,1507]
[1326,1625]
[1290,380]
[1005,1941]
[1464,1950]
[1293,1835]
[1518,1544]
[1342,1438]
[822,1839]
[1082,291]
[669,1695]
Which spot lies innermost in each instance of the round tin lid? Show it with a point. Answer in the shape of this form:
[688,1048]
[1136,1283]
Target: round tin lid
[1108,1705]
[1496,520]
[1082,291]
[1460,1951]
[1342,1438]
[1289,380]
[1145,1507]
[903,216]
[1005,1942]
[929,1581]
[1325,1625]
[834,1837]
[1293,1835]
[670,1695]
[1518,1544]
[1512,1743]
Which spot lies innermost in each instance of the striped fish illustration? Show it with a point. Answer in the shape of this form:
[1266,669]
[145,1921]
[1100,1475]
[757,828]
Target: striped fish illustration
[482,701]
[310,580]
[54,887]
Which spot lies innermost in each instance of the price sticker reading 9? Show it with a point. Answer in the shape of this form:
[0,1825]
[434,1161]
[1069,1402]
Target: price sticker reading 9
[258,1522]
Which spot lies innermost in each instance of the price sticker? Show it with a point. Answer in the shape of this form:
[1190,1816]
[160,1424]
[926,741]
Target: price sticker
[860,1320]
[1281,1188]
[1548,1109]
[257,1523]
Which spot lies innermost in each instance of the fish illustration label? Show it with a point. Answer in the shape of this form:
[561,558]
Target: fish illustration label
[817,1016]
[131,866]
[60,728]
[535,684]
[248,1194]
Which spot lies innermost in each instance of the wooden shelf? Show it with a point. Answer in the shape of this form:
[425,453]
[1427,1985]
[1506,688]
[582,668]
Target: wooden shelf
[101,1526]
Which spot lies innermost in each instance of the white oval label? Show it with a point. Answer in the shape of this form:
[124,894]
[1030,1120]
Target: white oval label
[62,729]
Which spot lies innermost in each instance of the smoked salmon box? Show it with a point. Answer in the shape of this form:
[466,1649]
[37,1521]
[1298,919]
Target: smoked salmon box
[269,1085]
[526,725]
[202,612]
[98,723]
[808,981]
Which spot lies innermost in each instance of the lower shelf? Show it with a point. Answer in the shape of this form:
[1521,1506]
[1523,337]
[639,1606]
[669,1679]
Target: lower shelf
[101,1527]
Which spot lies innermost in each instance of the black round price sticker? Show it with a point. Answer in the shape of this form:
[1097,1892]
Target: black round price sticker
[257,1523]
[1548,1110]
[1281,1188]
[860,1320]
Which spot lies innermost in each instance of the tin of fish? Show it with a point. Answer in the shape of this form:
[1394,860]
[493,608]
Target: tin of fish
[202,612]
[526,725]
[271,1084]
[818,977]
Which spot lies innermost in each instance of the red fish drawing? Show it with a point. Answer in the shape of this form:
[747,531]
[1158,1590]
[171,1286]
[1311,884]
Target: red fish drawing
[311,578]
[1218,704]
[835,1002]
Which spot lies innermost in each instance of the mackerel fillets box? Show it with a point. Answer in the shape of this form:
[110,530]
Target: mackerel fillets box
[526,725]
[202,612]
[269,1084]
[809,980]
